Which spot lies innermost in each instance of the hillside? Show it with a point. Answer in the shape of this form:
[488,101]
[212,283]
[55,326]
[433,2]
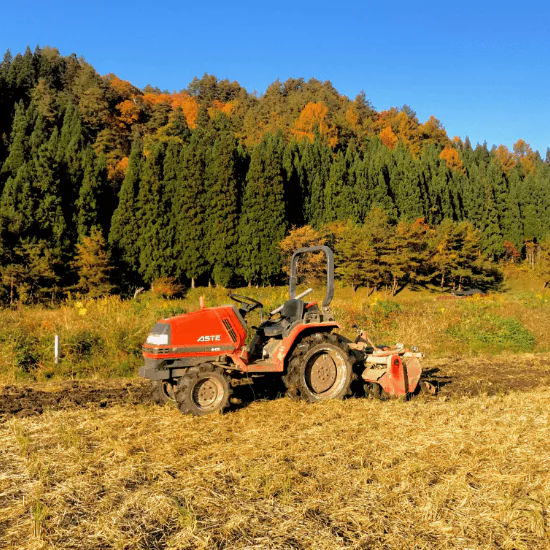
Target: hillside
[203,184]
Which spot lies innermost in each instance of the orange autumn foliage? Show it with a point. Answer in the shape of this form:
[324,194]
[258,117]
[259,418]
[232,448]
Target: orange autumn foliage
[220,107]
[118,171]
[123,88]
[505,158]
[403,126]
[452,159]
[352,117]
[129,112]
[314,116]
[525,156]
[432,131]
[389,139]
[188,104]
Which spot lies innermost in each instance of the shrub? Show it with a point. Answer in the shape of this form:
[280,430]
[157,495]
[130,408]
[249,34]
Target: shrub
[27,357]
[167,287]
[82,345]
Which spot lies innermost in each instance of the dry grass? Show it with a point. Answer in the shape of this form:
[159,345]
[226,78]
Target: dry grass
[468,469]
[465,472]
[102,338]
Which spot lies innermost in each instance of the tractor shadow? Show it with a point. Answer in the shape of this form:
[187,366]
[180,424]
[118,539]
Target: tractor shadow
[270,389]
[263,389]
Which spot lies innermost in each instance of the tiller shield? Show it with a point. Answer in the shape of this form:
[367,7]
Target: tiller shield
[399,377]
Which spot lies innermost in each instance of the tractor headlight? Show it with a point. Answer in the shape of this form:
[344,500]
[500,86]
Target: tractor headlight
[157,339]
[159,335]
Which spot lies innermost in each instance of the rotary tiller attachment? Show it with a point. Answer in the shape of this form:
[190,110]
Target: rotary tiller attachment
[394,372]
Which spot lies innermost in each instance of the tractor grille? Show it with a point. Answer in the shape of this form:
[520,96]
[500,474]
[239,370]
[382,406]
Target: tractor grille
[157,351]
[229,328]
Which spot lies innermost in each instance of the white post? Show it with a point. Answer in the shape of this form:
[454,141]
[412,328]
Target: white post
[56,349]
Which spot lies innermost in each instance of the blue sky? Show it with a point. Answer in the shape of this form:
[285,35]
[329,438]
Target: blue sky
[481,67]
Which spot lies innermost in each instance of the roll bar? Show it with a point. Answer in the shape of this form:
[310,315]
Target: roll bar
[330,271]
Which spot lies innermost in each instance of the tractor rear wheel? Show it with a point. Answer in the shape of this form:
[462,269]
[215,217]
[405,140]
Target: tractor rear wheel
[320,368]
[204,389]
[162,391]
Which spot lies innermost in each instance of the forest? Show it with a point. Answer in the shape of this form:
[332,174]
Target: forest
[105,187]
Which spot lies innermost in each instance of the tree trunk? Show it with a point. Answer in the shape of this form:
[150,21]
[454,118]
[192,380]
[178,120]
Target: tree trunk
[442,279]
[394,286]
[192,282]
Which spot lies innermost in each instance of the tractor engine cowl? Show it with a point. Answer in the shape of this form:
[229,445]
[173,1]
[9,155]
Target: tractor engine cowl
[195,337]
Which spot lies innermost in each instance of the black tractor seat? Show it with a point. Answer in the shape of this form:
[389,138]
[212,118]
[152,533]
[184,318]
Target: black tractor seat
[293,310]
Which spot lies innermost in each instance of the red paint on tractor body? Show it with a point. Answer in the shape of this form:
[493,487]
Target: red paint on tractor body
[208,332]
[400,377]
[217,331]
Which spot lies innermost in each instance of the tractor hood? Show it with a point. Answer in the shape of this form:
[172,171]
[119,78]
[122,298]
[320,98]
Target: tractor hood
[210,330]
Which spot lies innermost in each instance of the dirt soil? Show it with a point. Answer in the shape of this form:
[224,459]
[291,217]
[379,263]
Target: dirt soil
[453,377]
[488,375]
[29,400]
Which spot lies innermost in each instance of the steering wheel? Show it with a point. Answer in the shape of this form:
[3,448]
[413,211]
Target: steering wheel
[248,304]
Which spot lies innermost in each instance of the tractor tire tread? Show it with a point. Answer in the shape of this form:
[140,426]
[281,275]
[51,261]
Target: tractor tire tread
[186,383]
[157,393]
[293,379]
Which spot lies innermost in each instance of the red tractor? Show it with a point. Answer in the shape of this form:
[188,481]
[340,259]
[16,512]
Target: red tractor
[195,359]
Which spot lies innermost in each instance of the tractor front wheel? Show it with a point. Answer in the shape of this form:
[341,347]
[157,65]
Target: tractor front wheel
[162,391]
[320,368]
[203,390]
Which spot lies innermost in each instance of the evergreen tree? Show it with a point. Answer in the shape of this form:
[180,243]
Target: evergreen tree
[316,159]
[6,103]
[17,207]
[407,253]
[492,236]
[125,227]
[167,229]
[529,208]
[263,224]
[353,255]
[338,200]
[511,220]
[88,202]
[153,207]
[222,198]
[49,217]
[542,190]
[19,142]
[177,126]
[377,231]
[294,191]
[189,211]
[406,184]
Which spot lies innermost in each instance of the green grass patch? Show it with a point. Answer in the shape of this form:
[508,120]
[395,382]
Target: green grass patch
[491,333]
